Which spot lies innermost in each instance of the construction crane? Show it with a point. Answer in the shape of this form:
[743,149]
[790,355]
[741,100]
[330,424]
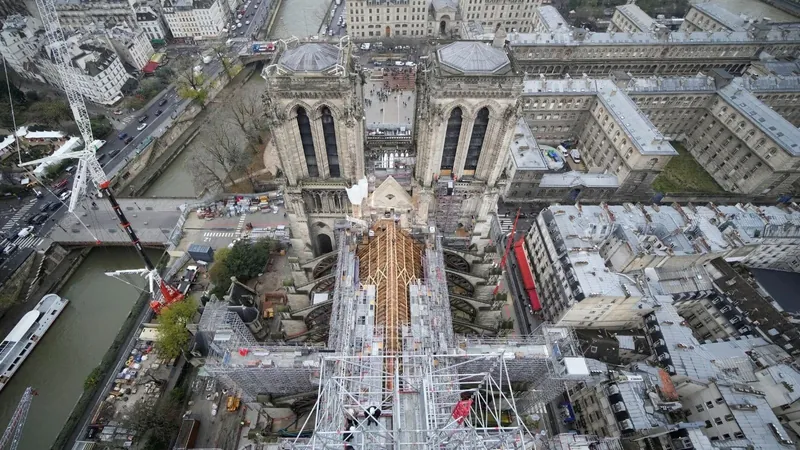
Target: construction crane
[510,241]
[13,433]
[88,166]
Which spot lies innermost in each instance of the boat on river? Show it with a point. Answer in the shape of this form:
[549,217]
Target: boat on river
[30,329]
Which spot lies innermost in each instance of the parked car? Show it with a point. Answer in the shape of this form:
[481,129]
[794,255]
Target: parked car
[114,152]
[159,112]
[162,102]
[100,158]
[60,184]
[142,118]
[10,248]
[118,112]
[69,169]
[65,195]
[46,206]
[55,206]
[122,136]
[142,126]
[128,141]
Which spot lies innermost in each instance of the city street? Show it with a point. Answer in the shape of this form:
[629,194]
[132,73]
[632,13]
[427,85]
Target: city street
[112,156]
[339,10]
[256,14]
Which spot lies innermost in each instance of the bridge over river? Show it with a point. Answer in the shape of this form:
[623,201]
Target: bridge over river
[152,219]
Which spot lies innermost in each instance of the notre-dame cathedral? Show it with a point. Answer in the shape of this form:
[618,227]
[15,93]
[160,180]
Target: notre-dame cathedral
[432,158]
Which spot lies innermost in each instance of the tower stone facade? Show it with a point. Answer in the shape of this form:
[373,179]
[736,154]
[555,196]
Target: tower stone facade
[314,106]
[466,114]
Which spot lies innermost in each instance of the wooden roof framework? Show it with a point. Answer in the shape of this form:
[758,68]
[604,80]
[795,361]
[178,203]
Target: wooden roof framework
[391,261]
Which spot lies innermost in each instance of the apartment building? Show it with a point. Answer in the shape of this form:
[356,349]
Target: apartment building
[197,19]
[508,15]
[616,137]
[75,15]
[380,18]
[781,93]
[712,17]
[631,19]
[149,20]
[20,40]
[133,46]
[659,52]
[98,70]
[547,19]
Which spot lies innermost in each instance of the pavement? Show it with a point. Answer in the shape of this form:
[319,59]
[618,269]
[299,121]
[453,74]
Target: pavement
[256,14]
[397,109]
[339,10]
[221,231]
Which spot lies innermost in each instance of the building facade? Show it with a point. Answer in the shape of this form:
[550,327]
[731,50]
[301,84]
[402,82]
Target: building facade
[712,17]
[382,19]
[507,15]
[149,20]
[196,19]
[133,46]
[99,71]
[76,15]
[20,40]
[314,104]
[631,19]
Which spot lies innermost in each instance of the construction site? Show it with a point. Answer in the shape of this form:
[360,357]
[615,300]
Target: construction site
[392,372]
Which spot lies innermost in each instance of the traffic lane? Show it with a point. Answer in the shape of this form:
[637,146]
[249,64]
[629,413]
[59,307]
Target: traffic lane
[334,25]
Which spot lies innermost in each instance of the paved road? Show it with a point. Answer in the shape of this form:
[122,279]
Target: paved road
[256,14]
[339,11]
[112,156]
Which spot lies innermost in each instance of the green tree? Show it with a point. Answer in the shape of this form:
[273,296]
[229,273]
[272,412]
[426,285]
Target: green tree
[50,113]
[172,333]
[191,85]
[101,127]
[247,260]
[219,273]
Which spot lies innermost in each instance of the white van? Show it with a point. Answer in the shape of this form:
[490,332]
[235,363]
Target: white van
[25,232]
[563,150]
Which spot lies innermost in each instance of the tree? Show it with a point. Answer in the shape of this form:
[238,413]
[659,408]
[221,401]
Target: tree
[160,420]
[228,67]
[172,333]
[249,116]
[191,84]
[222,156]
[101,127]
[246,260]
[50,113]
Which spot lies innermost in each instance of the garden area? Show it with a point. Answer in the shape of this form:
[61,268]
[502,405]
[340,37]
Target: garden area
[684,174]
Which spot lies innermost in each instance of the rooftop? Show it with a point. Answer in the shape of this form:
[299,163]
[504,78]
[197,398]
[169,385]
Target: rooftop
[313,57]
[764,117]
[782,83]
[721,15]
[645,136]
[578,179]
[551,18]
[525,152]
[754,423]
[473,58]
[648,38]
[699,83]
[637,16]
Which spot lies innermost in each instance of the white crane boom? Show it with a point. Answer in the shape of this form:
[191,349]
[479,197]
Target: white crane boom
[87,162]
[13,433]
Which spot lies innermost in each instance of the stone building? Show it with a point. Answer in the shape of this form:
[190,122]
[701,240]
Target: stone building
[631,19]
[467,110]
[76,15]
[659,52]
[547,19]
[376,19]
[712,17]
[314,105]
[195,19]
[743,143]
[508,15]
[20,40]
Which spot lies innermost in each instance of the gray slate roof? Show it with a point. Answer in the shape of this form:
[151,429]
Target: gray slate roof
[471,57]
[310,58]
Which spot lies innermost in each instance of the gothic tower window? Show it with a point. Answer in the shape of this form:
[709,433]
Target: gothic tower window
[476,141]
[451,136]
[308,142]
[329,130]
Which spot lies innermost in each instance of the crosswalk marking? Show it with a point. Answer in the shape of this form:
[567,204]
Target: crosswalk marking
[240,225]
[29,242]
[222,234]
[12,222]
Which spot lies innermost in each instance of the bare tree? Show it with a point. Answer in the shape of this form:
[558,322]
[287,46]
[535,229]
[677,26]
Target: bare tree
[248,115]
[222,157]
[191,84]
[227,65]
